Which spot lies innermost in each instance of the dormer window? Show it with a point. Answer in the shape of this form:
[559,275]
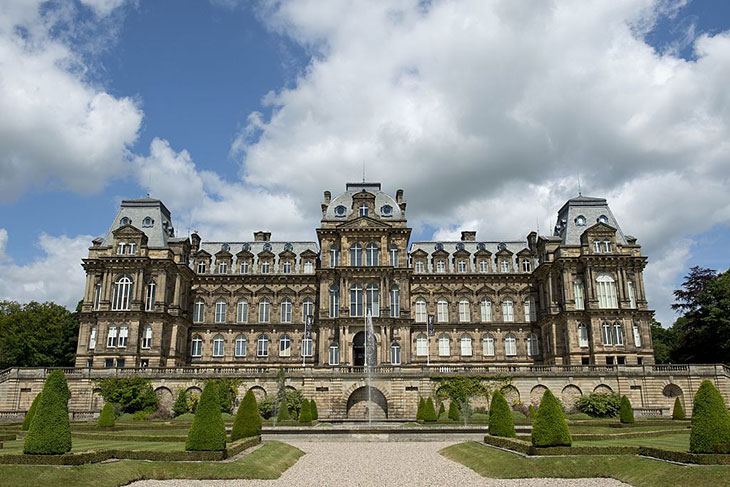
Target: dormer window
[266,267]
[462,266]
[607,246]
[147,222]
[603,219]
[286,268]
[121,248]
[125,221]
[419,266]
[244,267]
[526,265]
[340,211]
[597,246]
[483,265]
[386,210]
[580,220]
[504,265]
[440,266]
[201,267]
[308,267]
[363,210]
[223,267]
[131,248]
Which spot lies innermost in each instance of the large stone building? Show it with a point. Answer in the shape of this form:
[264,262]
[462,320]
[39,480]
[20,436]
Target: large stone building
[566,311]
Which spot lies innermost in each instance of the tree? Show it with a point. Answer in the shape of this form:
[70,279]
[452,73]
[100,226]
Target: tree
[131,393]
[305,415]
[461,389]
[180,406]
[421,407]
[31,412]
[678,411]
[227,392]
[664,341]
[454,411]
[281,403]
[106,418]
[442,410]
[626,414]
[248,419]
[549,427]
[500,417]
[313,408]
[429,412]
[710,421]
[37,335]
[50,431]
[208,431]
[599,404]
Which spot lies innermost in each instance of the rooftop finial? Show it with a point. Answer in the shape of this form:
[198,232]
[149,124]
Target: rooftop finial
[363,170]
[580,193]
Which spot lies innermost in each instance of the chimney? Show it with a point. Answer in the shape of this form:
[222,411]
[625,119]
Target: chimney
[262,236]
[327,197]
[399,196]
[195,241]
[468,236]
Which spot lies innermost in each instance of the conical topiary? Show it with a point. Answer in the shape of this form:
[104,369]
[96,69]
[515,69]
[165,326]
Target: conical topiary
[50,431]
[106,418]
[549,427]
[429,411]
[531,411]
[442,410]
[305,415]
[678,411]
[421,407]
[710,422]
[454,412]
[283,414]
[248,419]
[500,417]
[208,432]
[31,412]
[626,413]
[180,406]
[313,410]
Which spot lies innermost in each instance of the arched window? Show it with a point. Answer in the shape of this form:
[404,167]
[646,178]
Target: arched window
[242,311]
[533,346]
[286,311]
[334,256]
[510,345]
[240,350]
[147,222]
[307,309]
[372,293]
[607,334]
[334,301]
[508,310]
[218,343]
[334,354]
[618,334]
[149,299]
[582,335]
[92,338]
[262,346]
[356,300]
[579,295]
[125,221]
[529,310]
[606,291]
[147,337]
[198,311]
[442,311]
[421,345]
[122,293]
[264,310]
[371,255]
[444,345]
[220,310]
[395,354]
[393,252]
[196,348]
[394,301]
[356,254]
[466,349]
[420,306]
[285,346]
[307,347]
[488,345]
[485,307]
[464,311]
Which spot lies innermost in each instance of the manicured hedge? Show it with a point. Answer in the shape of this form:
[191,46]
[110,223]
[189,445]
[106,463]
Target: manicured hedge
[429,411]
[106,418]
[313,409]
[65,459]
[525,448]
[626,414]
[549,427]
[50,431]
[107,436]
[710,421]
[248,419]
[632,434]
[442,410]
[208,432]
[685,457]
[500,417]
[238,446]
[305,414]
[678,411]
[31,412]
[128,426]
[454,413]
[421,407]
[656,422]
[508,443]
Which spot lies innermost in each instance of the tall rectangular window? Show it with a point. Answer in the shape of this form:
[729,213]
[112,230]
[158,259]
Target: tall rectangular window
[373,299]
[578,292]
[440,267]
[483,265]
[111,337]
[244,267]
[394,302]
[92,338]
[421,345]
[334,257]
[150,297]
[393,257]
[147,338]
[356,301]
[123,335]
[637,335]
[632,294]
[201,267]
[223,268]
[420,268]
[308,268]
[307,347]
[266,267]
[97,296]
[486,310]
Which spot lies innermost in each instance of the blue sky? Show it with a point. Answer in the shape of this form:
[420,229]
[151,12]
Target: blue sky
[238,114]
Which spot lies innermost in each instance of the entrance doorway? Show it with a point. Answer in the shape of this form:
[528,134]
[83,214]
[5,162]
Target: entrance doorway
[358,350]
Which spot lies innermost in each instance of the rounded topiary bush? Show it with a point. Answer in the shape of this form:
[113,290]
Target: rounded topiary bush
[549,427]
[626,414]
[305,415]
[454,413]
[313,410]
[678,411]
[500,417]
[106,418]
[442,410]
[710,422]
[248,419]
[419,411]
[208,432]
[31,412]
[50,431]
[429,411]
[283,414]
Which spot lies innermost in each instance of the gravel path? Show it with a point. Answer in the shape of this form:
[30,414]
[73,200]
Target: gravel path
[377,464]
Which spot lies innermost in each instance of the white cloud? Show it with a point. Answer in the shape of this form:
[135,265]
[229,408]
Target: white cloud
[56,275]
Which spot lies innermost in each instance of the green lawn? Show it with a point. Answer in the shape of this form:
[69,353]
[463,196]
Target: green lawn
[79,445]
[268,462]
[634,470]
[678,442]
[600,429]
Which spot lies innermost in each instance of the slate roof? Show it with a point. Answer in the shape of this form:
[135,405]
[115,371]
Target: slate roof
[591,209]
[137,210]
[472,247]
[345,199]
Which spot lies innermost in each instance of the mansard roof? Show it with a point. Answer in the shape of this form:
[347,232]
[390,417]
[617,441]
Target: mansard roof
[149,215]
[346,199]
[580,213]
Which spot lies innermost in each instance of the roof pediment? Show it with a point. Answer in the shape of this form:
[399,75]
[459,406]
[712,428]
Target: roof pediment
[482,253]
[287,254]
[524,252]
[599,228]
[128,231]
[420,290]
[419,253]
[242,290]
[244,254]
[486,290]
[504,252]
[462,253]
[266,254]
[309,253]
[223,254]
[440,253]
[202,253]
[364,222]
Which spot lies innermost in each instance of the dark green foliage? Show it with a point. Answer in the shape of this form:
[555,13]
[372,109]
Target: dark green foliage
[599,404]
[627,412]
[419,411]
[31,412]
[292,398]
[248,419]
[227,392]
[37,335]
[313,409]
[305,415]
[131,393]
[429,411]
[710,422]
[500,417]
[684,457]
[664,341]
[454,413]
[180,406]
[208,432]
[442,410]
[678,411]
[283,413]
[50,431]
[549,427]
[531,411]
[106,418]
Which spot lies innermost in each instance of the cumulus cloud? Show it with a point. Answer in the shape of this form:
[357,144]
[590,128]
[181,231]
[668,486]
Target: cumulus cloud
[58,128]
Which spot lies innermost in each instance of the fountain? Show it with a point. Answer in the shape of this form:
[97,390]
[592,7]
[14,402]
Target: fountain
[370,361]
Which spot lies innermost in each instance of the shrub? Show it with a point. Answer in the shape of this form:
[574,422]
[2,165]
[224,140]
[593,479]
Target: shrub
[131,393]
[421,407]
[710,422]
[161,413]
[549,427]
[454,411]
[31,412]
[677,412]
[50,431]
[227,392]
[141,415]
[283,414]
[626,414]
[313,409]
[208,432]
[500,417]
[180,406]
[599,404]
[106,418]
[442,410]
[429,411]
[531,411]
[305,415]
[248,419]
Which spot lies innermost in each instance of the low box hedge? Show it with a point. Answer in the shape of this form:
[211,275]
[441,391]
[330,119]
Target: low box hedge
[685,457]
[518,446]
[630,434]
[100,436]
[126,426]
[65,459]
[526,448]
[238,446]
[655,422]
